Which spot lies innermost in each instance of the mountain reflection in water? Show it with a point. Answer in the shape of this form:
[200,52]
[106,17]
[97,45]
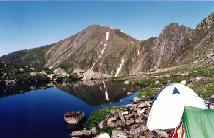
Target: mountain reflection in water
[99,92]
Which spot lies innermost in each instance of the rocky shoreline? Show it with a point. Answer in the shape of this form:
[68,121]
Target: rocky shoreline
[17,76]
[128,121]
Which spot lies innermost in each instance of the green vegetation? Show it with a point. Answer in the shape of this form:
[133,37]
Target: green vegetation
[20,75]
[96,117]
[204,89]
[151,84]
[33,57]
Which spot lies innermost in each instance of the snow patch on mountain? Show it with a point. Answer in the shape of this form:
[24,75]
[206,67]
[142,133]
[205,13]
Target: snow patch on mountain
[107,36]
[120,67]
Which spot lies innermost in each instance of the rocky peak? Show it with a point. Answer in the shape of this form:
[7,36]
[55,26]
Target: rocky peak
[174,31]
[169,43]
[207,24]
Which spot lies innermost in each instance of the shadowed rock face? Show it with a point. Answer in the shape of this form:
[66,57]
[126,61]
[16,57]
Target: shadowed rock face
[110,51]
[100,92]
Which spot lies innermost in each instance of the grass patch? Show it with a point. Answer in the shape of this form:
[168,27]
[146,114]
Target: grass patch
[96,117]
[204,89]
[148,91]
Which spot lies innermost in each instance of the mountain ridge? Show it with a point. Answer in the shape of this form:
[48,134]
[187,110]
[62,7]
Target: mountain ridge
[111,51]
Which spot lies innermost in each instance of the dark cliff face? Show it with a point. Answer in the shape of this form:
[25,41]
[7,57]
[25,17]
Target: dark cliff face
[169,45]
[111,51]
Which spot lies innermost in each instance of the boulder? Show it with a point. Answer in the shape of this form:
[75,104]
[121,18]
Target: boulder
[162,134]
[130,121]
[21,69]
[136,99]
[104,135]
[183,82]
[93,131]
[140,111]
[43,73]
[129,93]
[91,75]
[142,105]
[101,124]
[157,82]
[126,82]
[118,134]
[60,72]
[51,76]
[10,82]
[81,133]
[73,118]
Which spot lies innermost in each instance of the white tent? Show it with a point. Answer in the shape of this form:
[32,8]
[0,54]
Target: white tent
[167,109]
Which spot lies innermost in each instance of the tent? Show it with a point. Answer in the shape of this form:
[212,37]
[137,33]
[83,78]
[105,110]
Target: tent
[167,109]
[198,123]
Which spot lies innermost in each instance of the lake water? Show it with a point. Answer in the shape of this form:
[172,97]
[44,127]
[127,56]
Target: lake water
[39,113]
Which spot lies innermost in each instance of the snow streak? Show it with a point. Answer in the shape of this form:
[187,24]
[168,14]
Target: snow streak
[119,68]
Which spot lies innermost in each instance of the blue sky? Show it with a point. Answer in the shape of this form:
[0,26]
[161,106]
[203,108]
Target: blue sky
[25,25]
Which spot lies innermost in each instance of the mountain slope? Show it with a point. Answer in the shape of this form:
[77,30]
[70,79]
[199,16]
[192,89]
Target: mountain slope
[113,52]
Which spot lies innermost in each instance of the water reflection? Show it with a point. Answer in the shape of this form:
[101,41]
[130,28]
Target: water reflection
[99,92]
[21,89]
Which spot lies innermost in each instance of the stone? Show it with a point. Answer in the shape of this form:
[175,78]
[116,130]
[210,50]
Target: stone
[121,123]
[142,105]
[118,134]
[73,118]
[183,82]
[101,124]
[148,134]
[10,82]
[157,82]
[199,79]
[136,99]
[209,55]
[195,62]
[91,75]
[81,133]
[148,103]
[126,82]
[211,105]
[76,133]
[129,122]
[162,134]
[125,113]
[43,73]
[21,69]
[121,116]
[129,93]
[128,116]
[93,131]
[184,74]
[140,111]
[51,76]
[129,105]
[138,120]
[141,128]
[38,74]
[111,124]
[60,72]
[104,135]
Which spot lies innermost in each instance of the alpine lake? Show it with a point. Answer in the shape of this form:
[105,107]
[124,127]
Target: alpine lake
[38,111]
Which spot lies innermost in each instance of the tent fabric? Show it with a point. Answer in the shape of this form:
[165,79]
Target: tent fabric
[178,132]
[198,123]
[167,109]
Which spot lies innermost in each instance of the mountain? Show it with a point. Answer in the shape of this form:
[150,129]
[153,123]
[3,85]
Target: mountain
[113,52]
